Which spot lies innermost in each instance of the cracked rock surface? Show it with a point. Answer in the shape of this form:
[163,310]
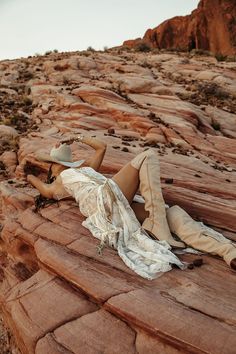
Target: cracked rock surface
[58,295]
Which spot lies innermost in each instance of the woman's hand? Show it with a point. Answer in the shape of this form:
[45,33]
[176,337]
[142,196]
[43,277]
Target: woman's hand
[68,140]
[29,178]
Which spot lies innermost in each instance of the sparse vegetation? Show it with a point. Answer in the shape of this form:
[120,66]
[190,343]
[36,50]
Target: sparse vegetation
[231,58]
[18,121]
[220,57]
[27,101]
[90,49]
[142,47]
[201,52]
[48,52]
[215,125]
[65,80]
[210,93]
[212,89]
[9,144]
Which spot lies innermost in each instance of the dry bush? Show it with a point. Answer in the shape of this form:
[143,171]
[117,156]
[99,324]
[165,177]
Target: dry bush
[142,47]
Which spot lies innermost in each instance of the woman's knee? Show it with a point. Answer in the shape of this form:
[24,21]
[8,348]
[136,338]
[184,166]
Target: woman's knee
[137,161]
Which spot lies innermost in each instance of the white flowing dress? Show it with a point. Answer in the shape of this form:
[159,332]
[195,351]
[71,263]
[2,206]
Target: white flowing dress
[110,218]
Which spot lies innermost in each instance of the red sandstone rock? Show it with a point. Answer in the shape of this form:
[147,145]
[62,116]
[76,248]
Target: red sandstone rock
[9,159]
[84,336]
[44,305]
[197,31]
[172,320]
[48,259]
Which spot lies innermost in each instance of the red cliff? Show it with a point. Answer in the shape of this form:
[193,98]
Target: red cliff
[212,27]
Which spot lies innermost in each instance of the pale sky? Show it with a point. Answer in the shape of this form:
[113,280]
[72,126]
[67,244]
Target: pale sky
[28,27]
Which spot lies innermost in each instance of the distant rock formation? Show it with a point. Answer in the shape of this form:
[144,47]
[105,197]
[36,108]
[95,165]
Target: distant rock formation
[212,27]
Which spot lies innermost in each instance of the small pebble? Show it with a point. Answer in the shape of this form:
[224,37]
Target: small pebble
[190,266]
[169,180]
[111,131]
[198,262]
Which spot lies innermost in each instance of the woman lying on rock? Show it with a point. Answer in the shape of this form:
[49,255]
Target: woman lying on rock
[113,216]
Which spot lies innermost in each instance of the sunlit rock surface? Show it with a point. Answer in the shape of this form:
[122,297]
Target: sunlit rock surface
[58,294]
[210,27]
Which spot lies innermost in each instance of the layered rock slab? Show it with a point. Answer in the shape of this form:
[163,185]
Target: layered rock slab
[41,304]
[172,321]
[131,101]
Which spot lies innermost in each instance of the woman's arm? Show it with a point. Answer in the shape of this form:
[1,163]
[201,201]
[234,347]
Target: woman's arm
[45,189]
[99,147]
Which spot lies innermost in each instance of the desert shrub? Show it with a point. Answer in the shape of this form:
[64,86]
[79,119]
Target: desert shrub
[90,49]
[220,57]
[201,52]
[9,144]
[105,48]
[231,58]
[212,89]
[65,80]
[48,52]
[27,101]
[142,47]
[55,50]
[215,125]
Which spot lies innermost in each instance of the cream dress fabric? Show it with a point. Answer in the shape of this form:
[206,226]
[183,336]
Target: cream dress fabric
[110,218]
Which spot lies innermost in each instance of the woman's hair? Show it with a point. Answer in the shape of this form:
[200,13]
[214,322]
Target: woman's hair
[50,178]
[41,201]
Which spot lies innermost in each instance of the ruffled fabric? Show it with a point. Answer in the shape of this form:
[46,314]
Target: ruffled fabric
[110,218]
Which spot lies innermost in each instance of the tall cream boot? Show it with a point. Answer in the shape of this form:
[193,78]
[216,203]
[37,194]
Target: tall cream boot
[150,188]
[199,236]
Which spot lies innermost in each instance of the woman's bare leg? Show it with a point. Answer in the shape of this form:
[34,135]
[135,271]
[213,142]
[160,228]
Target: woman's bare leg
[128,181]
[140,212]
